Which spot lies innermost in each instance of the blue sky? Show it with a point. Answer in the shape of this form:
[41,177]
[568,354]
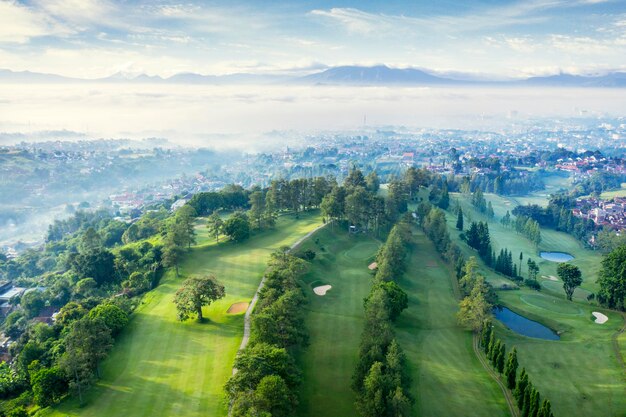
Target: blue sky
[96,38]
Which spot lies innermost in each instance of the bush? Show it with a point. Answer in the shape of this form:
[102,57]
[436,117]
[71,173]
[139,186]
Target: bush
[533,283]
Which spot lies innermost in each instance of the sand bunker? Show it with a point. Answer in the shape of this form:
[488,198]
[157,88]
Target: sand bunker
[600,318]
[550,277]
[322,289]
[237,308]
[373,266]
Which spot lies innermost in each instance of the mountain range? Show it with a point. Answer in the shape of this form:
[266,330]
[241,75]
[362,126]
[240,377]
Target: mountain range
[344,75]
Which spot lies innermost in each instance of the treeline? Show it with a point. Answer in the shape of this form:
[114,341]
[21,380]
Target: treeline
[93,288]
[480,203]
[558,215]
[381,380]
[511,182]
[599,182]
[477,295]
[527,398]
[267,378]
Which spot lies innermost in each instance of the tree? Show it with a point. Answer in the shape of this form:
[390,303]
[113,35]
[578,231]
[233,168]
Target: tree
[474,309]
[32,302]
[546,409]
[237,227]
[395,297]
[510,370]
[372,183]
[459,220]
[490,212]
[112,316]
[90,240]
[98,264]
[333,204]
[500,359]
[49,385]
[273,396]
[400,405]
[184,223]
[520,389]
[612,279]
[372,402]
[571,277]
[257,207]
[172,250]
[195,293]
[215,224]
[258,361]
[137,282]
[86,344]
[533,270]
[354,179]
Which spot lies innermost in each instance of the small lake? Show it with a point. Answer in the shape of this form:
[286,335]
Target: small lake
[524,326]
[556,256]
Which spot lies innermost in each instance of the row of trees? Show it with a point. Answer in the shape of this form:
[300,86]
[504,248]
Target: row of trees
[527,397]
[358,202]
[558,215]
[512,182]
[529,228]
[380,380]
[267,378]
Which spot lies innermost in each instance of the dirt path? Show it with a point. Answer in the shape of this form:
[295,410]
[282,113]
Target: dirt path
[246,322]
[507,394]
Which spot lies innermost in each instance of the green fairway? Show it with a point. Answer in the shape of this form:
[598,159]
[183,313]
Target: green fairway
[551,241]
[581,374]
[448,379]
[334,321]
[162,367]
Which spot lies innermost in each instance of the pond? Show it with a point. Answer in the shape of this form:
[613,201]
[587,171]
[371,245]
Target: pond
[556,256]
[524,326]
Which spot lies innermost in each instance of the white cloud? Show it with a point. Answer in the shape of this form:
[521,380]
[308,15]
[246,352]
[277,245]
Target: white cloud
[77,11]
[18,23]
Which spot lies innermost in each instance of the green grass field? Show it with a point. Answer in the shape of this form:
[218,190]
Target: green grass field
[581,374]
[334,321]
[448,379]
[162,367]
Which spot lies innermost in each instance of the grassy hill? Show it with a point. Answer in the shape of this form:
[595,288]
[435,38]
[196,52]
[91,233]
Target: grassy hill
[162,367]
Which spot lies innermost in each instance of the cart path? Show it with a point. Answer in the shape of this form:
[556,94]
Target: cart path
[246,323]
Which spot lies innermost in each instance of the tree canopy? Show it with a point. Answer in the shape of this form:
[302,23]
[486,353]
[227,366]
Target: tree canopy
[196,293]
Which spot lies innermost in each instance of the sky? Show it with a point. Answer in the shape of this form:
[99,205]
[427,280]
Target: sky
[501,39]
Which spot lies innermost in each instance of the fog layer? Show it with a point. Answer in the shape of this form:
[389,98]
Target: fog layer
[196,113]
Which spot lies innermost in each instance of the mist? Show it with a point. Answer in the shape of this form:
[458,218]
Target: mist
[232,116]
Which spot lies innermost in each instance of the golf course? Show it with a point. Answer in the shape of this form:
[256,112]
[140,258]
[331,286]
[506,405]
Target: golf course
[583,372]
[447,377]
[335,320]
[161,366]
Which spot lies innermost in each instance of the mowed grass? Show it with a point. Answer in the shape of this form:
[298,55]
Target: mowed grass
[334,321]
[448,379]
[162,367]
[581,374]
[551,241]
